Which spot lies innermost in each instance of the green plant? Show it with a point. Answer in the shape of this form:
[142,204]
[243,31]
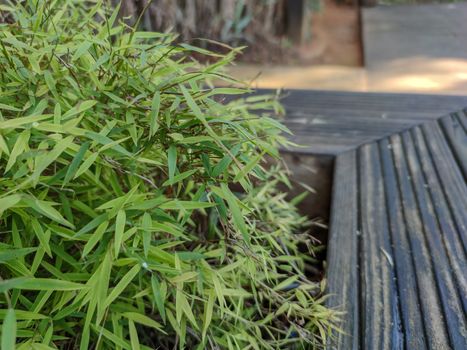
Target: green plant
[135,207]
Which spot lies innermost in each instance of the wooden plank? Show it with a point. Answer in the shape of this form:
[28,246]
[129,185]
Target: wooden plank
[354,126]
[381,321]
[456,136]
[449,294]
[451,236]
[342,264]
[321,144]
[405,274]
[342,114]
[353,118]
[435,328]
[462,118]
[449,175]
[435,105]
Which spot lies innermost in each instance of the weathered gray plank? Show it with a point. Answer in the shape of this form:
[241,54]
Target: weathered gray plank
[449,294]
[435,328]
[408,290]
[435,105]
[450,234]
[456,136]
[381,321]
[342,268]
[320,118]
[449,175]
[462,118]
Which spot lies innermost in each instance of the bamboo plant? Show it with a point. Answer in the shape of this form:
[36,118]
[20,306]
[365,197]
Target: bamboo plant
[136,210]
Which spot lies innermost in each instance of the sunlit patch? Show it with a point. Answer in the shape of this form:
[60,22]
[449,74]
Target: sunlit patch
[418,82]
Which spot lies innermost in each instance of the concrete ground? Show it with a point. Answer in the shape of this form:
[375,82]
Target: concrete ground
[408,48]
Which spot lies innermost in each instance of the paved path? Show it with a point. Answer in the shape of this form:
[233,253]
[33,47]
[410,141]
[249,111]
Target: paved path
[392,33]
[416,47]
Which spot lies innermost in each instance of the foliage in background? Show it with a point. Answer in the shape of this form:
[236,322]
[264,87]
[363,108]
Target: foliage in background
[265,27]
[135,210]
[236,22]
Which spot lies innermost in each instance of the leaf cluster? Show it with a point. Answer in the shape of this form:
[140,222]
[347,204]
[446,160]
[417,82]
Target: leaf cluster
[135,208]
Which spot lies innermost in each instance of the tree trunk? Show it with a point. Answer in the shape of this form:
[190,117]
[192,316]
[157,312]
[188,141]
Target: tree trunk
[211,19]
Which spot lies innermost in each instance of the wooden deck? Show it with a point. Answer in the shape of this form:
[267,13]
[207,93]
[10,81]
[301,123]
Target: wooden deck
[397,260]
[329,123]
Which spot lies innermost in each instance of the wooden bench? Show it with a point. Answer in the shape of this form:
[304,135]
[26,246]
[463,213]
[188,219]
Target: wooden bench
[398,230]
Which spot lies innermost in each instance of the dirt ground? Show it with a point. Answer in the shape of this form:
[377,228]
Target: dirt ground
[335,36]
[331,37]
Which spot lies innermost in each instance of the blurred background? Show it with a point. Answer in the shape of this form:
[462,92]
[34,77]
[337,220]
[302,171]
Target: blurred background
[351,45]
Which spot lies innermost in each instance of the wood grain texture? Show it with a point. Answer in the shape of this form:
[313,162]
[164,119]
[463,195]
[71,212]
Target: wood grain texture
[456,135]
[342,269]
[411,216]
[381,324]
[332,122]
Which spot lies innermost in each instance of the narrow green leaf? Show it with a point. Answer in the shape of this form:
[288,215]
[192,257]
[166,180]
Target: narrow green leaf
[236,212]
[23,315]
[12,283]
[10,254]
[119,230]
[103,285]
[42,236]
[79,108]
[52,156]
[57,113]
[9,202]
[186,205]
[100,61]
[9,108]
[225,162]
[208,311]
[50,82]
[81,50]
[286,283]
[247,168]
[19,147]
[71,171]
[153,115]
[146,223]
[196,139]
[183,305]
[179,177]
[95,238]
[184,277]
[46,209]
[134,340]
[17,122]
[86,165]
[104,140]
[118,341]
[3,146]
[144,320]
[120,287]
[158,296]
[172,161]
[91,225]
[115,98]
[48,284]
[9,331]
